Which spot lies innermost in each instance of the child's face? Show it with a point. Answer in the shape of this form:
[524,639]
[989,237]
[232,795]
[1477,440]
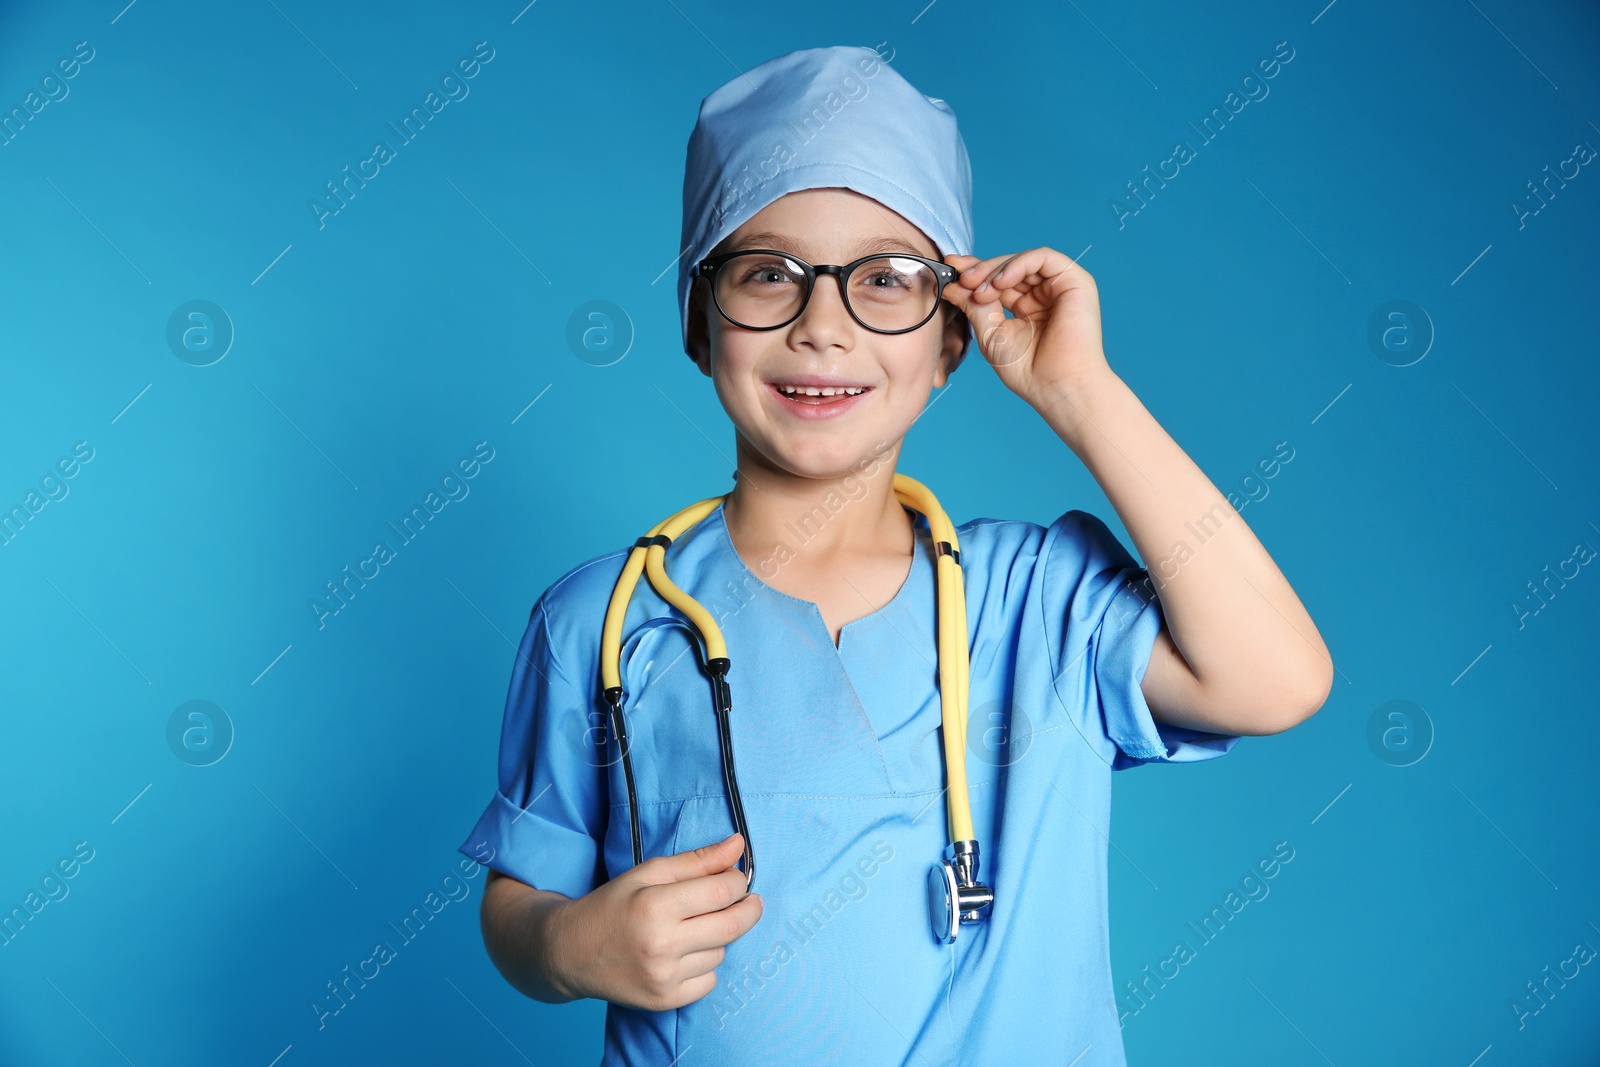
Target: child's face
[900,370]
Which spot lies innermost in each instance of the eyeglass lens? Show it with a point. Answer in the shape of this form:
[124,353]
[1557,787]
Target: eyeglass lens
[760,290]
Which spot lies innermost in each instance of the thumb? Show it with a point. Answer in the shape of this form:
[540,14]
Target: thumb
[955,292]
[707,859]
[984,313]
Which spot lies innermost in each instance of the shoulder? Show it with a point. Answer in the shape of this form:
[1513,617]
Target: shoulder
[1001,542]
[573,608]
[988,543]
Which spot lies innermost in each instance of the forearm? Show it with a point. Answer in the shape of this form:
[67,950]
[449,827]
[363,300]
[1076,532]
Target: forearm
[518,923]
[1230,612]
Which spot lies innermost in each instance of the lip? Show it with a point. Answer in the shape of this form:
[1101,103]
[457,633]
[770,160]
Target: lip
[821,381]
[801,409]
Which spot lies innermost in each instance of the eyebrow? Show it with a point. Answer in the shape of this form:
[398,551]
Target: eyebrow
[783,243]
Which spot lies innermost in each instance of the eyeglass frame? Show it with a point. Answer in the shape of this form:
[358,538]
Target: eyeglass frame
[707,268]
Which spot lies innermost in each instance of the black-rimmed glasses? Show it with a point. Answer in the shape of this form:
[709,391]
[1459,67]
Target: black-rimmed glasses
[763,289]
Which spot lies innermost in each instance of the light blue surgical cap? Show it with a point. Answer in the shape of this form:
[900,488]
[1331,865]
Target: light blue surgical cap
[835,117]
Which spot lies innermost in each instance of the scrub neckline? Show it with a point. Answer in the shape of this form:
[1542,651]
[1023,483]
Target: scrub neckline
[917,532]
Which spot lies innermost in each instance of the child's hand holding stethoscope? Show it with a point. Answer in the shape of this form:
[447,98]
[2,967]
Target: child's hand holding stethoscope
[652,937]
[1054,338]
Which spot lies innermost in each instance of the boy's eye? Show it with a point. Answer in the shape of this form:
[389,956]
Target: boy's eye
[884,279]
[769,273]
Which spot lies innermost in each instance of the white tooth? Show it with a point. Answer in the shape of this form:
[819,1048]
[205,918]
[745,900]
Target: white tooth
[811,390]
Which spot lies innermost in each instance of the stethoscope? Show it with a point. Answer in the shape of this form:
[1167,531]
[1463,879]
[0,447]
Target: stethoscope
[955,895]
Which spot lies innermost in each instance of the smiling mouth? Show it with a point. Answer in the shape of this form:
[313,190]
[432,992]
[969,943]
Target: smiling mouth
[813,396]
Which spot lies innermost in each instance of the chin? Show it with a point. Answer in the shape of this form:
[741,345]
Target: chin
[845,455]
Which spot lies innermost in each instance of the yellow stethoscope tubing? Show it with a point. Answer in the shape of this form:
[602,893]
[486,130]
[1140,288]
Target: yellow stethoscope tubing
[953,655]
[954,663]
[653,557]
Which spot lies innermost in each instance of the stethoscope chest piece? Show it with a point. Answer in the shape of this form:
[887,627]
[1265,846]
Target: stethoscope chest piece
[955,895]
[942,895]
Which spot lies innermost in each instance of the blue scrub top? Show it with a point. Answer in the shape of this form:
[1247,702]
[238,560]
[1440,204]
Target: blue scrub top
[839,759]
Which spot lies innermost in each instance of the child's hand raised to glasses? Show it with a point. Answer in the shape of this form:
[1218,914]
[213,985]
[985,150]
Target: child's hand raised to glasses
[1054,338]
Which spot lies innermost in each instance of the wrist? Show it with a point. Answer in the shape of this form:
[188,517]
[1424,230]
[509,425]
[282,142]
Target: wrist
[1069,404]
[549,928]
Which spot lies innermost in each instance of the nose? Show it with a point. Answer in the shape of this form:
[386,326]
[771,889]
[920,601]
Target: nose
[836,301]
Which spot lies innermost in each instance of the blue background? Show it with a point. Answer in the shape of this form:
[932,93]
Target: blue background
[370,354]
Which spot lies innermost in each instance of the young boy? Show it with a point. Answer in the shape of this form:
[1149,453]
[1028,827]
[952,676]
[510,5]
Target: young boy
[823,585]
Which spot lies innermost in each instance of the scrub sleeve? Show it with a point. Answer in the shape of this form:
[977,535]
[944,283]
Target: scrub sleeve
[1101,643]
[548,815]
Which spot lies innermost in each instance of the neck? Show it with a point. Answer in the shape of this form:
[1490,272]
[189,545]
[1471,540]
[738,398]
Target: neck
[821,521]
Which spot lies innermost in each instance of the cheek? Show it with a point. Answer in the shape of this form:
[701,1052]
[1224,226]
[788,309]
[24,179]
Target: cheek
[733,396]
[915,368]
[732,370]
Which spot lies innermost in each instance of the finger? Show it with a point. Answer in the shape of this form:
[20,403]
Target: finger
[979,308]
[701,961]
[696,863]
[1026,301]
[1033,282]
[960,297]
[705,895]
[1039,266]
[1010,269]
[698,987]
[988,280]
[959,264]
[1006,341]
[975,272]
[1000,299]
[988,285]
[719,928]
